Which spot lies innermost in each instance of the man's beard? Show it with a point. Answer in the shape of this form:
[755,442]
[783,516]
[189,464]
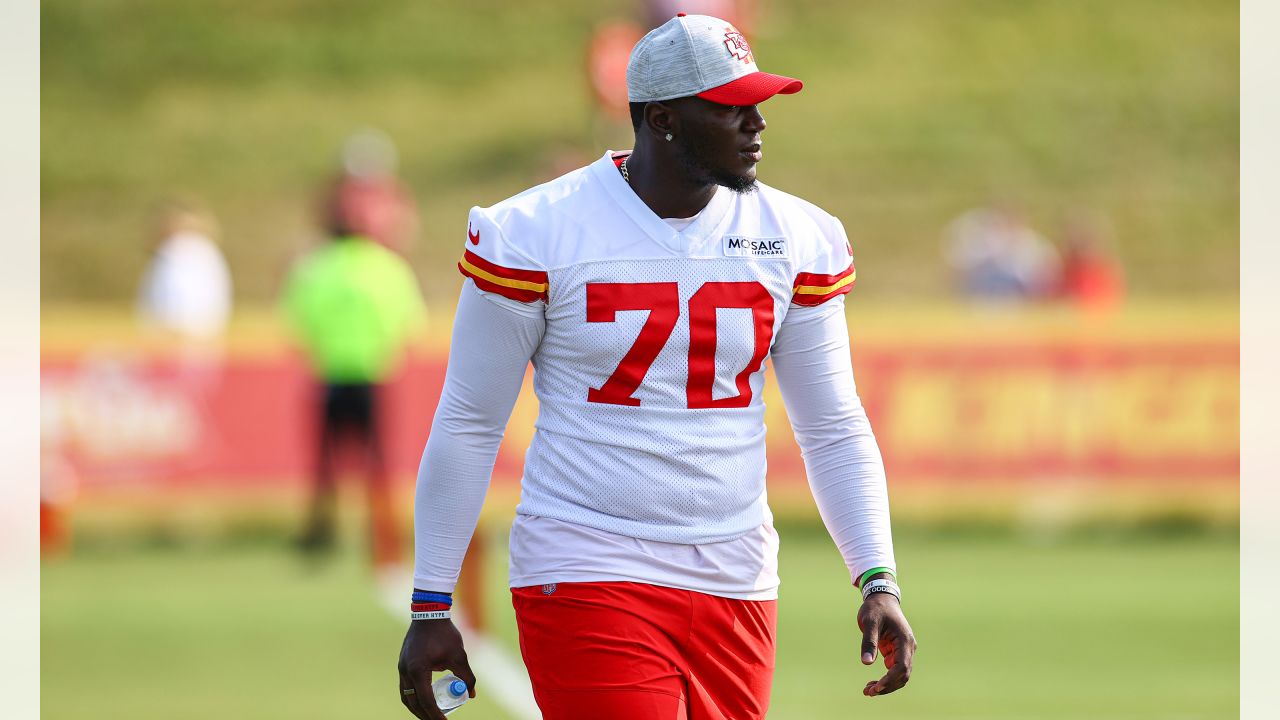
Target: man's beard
[692,155]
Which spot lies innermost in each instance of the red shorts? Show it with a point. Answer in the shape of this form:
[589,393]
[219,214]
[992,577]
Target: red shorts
[630,651]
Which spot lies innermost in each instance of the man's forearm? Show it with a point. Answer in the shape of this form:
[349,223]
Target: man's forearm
[848,483]
[453,479]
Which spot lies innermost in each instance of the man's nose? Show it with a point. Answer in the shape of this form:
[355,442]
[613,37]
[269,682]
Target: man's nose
[753,121]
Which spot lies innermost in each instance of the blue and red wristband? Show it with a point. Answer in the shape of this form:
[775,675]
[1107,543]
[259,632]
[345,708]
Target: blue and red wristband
[430,606]
[430,597]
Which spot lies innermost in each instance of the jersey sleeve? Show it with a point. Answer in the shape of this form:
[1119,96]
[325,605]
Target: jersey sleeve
[828,271]
[842,460]
[486,369]
[497,265]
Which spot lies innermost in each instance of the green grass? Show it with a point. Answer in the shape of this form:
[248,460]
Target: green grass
[1015,629]
[1009,627]
[912,113]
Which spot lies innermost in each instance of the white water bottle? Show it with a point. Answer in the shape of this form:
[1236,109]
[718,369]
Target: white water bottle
[450,692]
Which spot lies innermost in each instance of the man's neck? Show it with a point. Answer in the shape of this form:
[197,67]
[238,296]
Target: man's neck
[660,181]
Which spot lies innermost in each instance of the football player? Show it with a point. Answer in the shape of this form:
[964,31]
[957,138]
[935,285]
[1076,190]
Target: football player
[649,289]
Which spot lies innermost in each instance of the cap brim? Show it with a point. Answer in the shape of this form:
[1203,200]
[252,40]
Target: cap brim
[752,89]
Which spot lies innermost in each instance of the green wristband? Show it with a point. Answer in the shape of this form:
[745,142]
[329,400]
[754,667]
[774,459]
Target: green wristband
[863,577]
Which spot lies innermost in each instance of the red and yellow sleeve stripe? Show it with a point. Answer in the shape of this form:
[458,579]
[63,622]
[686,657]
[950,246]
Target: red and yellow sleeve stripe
[522,285]
[814,289]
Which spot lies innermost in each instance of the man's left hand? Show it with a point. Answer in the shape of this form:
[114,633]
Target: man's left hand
[885,628]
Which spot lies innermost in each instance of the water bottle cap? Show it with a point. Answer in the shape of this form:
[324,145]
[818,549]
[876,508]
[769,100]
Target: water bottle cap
[457,688]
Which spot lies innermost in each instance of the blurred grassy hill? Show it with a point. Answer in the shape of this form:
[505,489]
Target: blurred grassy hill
[912,113]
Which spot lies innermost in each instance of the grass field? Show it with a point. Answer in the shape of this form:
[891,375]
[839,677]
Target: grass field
[1091,626]
[911,113]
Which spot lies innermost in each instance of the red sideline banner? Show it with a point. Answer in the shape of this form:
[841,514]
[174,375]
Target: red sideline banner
[1117,406]
[244,423]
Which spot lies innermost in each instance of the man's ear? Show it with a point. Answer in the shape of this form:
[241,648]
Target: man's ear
[660,119]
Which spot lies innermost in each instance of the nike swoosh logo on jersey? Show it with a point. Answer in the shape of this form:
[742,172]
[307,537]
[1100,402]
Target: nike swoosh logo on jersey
[474,237]
[739,246]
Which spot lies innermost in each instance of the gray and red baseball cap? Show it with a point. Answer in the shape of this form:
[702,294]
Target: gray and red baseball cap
[703,56]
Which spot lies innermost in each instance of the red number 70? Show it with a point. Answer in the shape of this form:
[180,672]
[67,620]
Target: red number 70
[662,300]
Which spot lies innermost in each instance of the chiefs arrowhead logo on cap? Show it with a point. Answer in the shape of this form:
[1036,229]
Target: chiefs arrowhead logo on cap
[737,45]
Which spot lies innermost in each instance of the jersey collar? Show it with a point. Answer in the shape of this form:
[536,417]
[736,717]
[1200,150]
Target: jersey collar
[701,230]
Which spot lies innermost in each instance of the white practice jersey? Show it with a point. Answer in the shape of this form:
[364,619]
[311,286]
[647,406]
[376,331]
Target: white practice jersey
[650,368]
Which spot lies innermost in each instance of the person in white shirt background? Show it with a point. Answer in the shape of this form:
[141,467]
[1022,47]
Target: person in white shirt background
[186,288]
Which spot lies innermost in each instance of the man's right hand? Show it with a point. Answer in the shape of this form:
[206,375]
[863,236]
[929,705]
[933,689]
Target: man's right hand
[431,645]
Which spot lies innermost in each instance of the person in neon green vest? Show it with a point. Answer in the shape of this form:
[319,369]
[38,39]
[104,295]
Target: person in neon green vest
[354,306]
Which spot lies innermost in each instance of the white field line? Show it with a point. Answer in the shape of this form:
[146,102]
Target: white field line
[502,676]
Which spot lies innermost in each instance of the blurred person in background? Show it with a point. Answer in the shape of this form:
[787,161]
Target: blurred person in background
[993,254]
[609,49]
[184,302]
[354,305]
[186,288]
[1092,276]
[59,486]
[741,14]
[369,197]
[648,290]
